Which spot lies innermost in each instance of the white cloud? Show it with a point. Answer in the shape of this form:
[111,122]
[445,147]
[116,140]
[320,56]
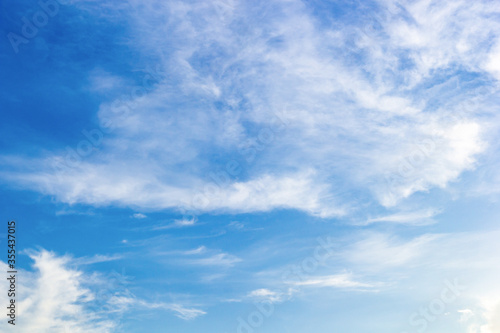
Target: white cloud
[183,312]
[266,295]
[420,217]
[236,225]
[125,303]
[185,222]
[57,298]
[344,280]
[424,262]
[466,314]
[379,251]
[381,124]
[201,256]
[290,287]
[103,82]
[96,259]
[97,185]
[181,223]
[220,259]
[492,63]
[198,250]
[139,216]
[54,298]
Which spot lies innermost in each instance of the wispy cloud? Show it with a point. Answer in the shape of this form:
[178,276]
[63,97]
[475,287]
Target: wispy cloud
[58,298]
[420,217]
[96,259]
[266,295]
[185,222]
[198,250]
[371,112]
[339,281]
[381,251]
[220,259]
[387,123]
[181,223]
[200,256]
[129,303]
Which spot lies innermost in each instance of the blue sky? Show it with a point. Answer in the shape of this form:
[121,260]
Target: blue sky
[252,166]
